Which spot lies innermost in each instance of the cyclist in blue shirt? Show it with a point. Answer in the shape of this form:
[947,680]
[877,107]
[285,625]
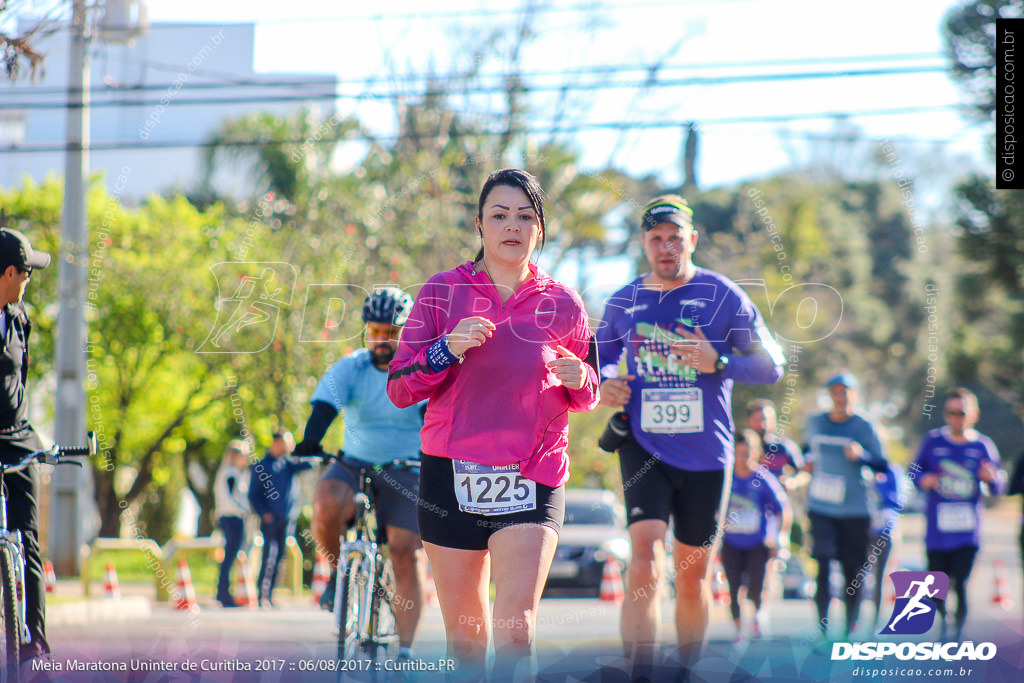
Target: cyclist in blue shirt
[954,465]
[376,432]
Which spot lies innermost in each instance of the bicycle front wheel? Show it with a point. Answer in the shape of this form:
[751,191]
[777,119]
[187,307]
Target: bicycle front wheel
[383,625]
[353,603]
[9,604]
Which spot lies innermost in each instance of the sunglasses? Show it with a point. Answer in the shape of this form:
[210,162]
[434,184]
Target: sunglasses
[956,413]
[26,271]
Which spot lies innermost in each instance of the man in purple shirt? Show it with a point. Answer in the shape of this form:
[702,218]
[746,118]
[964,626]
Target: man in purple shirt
[953,465]
[687,334]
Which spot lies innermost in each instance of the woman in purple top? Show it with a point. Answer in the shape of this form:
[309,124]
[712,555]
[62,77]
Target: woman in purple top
[756,527]
[951,466]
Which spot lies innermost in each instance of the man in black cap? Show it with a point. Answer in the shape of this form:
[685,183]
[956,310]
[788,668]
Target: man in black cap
[688,334]
[17,437]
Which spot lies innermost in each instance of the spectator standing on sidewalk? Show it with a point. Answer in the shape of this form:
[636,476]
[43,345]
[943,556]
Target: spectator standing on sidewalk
[231,500]
[275,499]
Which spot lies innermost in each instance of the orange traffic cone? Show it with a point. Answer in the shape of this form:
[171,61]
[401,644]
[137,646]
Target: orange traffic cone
[49,577]
[111,589]
[245,589]
[611,582]
[1000,598]
[321,575]
[432,589]
[186,594]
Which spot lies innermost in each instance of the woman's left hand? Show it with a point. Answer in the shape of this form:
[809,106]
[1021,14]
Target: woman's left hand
[570,370]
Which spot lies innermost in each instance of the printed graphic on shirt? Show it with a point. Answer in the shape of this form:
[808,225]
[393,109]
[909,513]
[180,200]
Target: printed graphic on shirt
[956,482]
[744,516]
[656,362]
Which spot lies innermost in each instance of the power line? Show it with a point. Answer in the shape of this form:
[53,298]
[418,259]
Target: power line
[458,14]
[503,89]
[240,81]
[540,130]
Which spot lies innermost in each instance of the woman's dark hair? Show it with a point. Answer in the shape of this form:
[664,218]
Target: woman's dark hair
[521,180]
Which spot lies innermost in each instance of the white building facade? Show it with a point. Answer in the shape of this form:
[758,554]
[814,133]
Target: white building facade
[154,100]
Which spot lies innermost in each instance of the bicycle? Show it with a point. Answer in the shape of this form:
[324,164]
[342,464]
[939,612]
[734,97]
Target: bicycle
[12,559]
[367,629]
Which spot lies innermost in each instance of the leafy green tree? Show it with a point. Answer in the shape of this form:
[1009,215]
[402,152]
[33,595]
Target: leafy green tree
[989,303]
[970,34]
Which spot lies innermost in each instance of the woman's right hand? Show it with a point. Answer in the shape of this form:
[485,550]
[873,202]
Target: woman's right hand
[469,333]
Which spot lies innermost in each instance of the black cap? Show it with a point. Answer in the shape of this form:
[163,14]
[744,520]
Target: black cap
[667,209]
[16,251]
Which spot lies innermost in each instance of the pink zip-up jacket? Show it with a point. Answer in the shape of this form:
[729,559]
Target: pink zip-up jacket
[501,405]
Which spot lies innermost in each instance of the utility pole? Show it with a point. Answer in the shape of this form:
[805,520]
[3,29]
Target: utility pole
[690,159]
[71,487]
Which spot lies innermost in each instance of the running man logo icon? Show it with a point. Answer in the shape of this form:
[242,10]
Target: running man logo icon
[914,613]
[247,318]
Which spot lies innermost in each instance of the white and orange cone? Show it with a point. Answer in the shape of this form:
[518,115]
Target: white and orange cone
[612,589]
[186,598]
[111,588]
[999,597]
[321,575]
[245,588]
[49,577]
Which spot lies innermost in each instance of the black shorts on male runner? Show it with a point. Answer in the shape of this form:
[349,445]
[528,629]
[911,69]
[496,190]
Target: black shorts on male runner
[839,538]
[442,523]
[655,490]
[956,563]
[395,492]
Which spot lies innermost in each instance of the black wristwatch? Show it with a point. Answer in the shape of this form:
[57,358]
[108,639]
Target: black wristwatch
[722,363]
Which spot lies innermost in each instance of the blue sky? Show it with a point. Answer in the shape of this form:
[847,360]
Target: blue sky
[759,36]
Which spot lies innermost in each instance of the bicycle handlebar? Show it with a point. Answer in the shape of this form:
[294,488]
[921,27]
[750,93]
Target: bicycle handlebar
[52,455]
[87,450]
[356,462]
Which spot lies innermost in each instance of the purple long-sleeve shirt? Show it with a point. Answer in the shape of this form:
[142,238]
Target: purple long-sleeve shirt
[954,506]
[681,416]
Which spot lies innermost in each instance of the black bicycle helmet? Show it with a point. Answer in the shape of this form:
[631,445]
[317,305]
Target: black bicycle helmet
[388,305]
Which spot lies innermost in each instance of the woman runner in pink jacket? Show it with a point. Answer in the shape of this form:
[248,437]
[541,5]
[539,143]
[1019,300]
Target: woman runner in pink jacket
[498,347]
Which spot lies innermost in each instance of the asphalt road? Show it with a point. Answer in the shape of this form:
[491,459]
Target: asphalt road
[576,637]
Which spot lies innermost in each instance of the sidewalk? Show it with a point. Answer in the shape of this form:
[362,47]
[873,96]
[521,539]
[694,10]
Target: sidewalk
[68,605]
